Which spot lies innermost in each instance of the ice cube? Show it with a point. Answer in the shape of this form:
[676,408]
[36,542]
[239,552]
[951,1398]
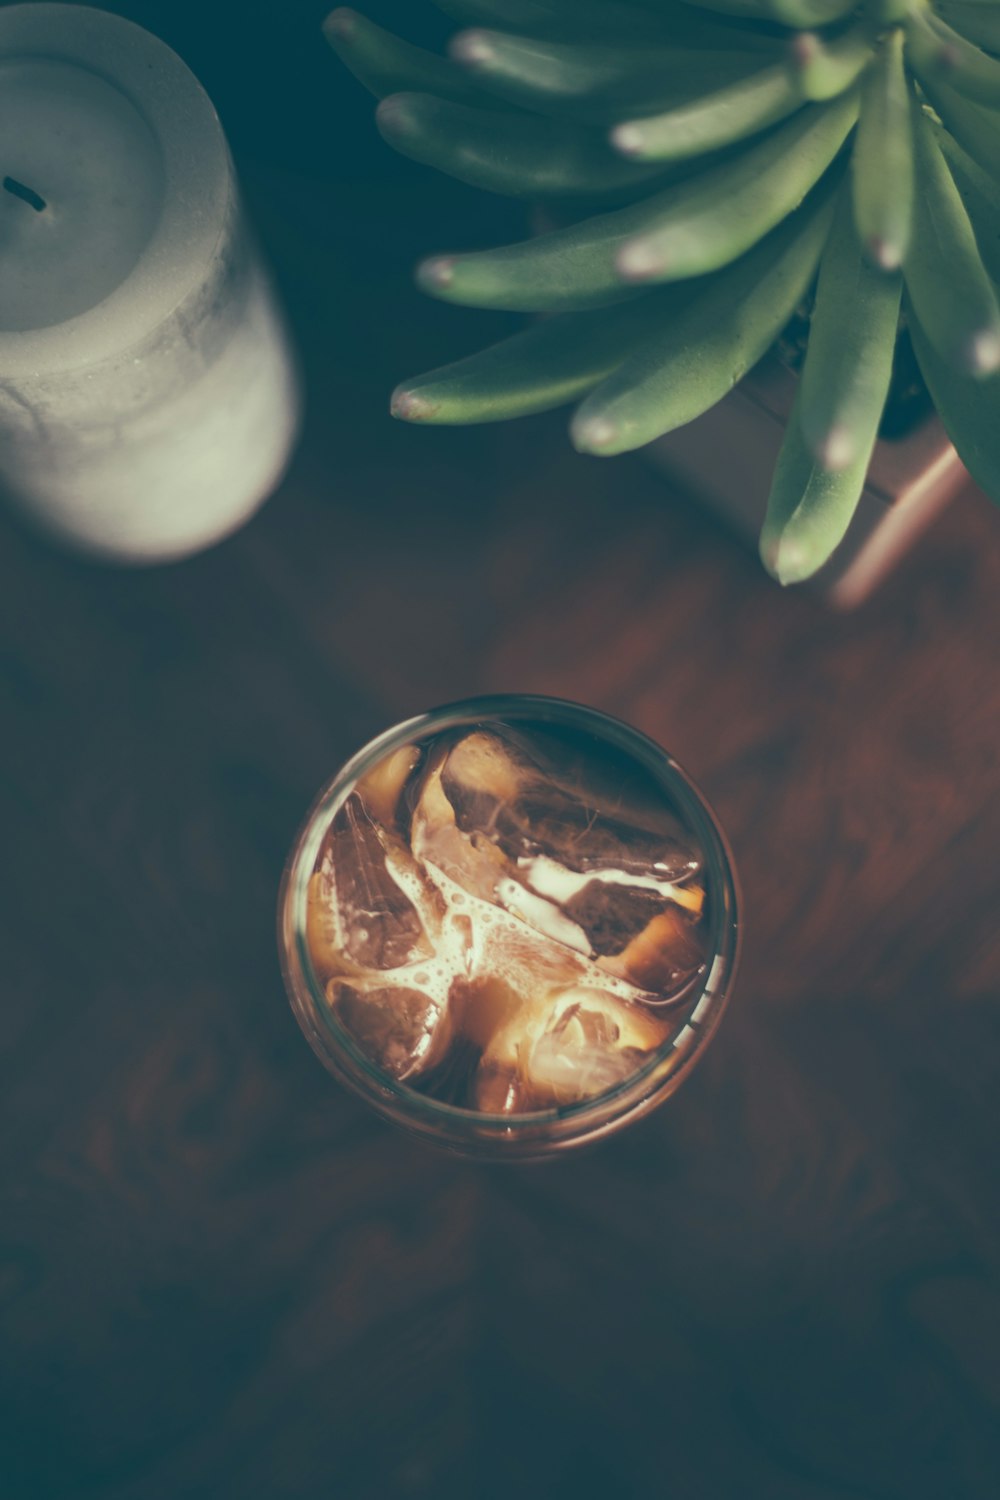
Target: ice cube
[364,898]
[381,788]
[503,791]
[474,864]
[567,1047]
[664,956]
[590,869]
[405,1031]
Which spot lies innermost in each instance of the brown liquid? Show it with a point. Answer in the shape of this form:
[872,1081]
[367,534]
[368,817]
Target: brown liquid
[508,918]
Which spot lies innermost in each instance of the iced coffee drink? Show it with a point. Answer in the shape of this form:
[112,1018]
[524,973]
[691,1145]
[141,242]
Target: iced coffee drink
[513,917]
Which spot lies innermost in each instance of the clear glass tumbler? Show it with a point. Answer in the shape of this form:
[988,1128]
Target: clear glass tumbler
[538,1132]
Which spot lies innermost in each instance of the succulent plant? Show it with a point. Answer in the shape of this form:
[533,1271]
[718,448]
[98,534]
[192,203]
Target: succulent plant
[719,162]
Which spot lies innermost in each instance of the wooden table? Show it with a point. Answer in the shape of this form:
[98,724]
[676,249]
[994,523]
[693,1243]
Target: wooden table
[219,1274]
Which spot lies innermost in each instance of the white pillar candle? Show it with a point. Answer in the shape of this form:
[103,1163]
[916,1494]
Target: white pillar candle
[148,398]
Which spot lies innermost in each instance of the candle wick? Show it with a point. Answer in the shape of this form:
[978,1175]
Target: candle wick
[26,193]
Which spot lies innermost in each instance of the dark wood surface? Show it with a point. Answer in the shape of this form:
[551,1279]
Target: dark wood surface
[219,1274]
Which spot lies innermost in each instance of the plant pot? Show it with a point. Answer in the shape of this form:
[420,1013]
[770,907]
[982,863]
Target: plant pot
[727,459]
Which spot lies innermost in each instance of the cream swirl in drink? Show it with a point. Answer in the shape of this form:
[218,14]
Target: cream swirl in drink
[508,917]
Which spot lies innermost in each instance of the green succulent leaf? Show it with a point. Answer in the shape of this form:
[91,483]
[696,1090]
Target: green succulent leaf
[980,195]
[941,55]
[733,120]
[887,12]
[555,361]
[569,19]
[561,271]
[969,408]
[979,23]
[694,25]
[518,155]
[591,81]
[823,68]
[952,293]
[691,228]
[882,166]
[722,213]
[809,507]
[384,64]
[725,325]
[820,474]
[792,13]
[810,12]
[717,119]
[852,337]
[744,10]
[976,129]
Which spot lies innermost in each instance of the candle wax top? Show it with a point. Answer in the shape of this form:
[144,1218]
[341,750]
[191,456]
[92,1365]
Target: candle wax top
[83,186]
[116,187]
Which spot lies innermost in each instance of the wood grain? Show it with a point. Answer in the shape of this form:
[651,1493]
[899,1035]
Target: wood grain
[219,1275]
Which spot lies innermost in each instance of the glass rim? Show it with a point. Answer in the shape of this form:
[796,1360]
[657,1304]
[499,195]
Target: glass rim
[410,1107]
